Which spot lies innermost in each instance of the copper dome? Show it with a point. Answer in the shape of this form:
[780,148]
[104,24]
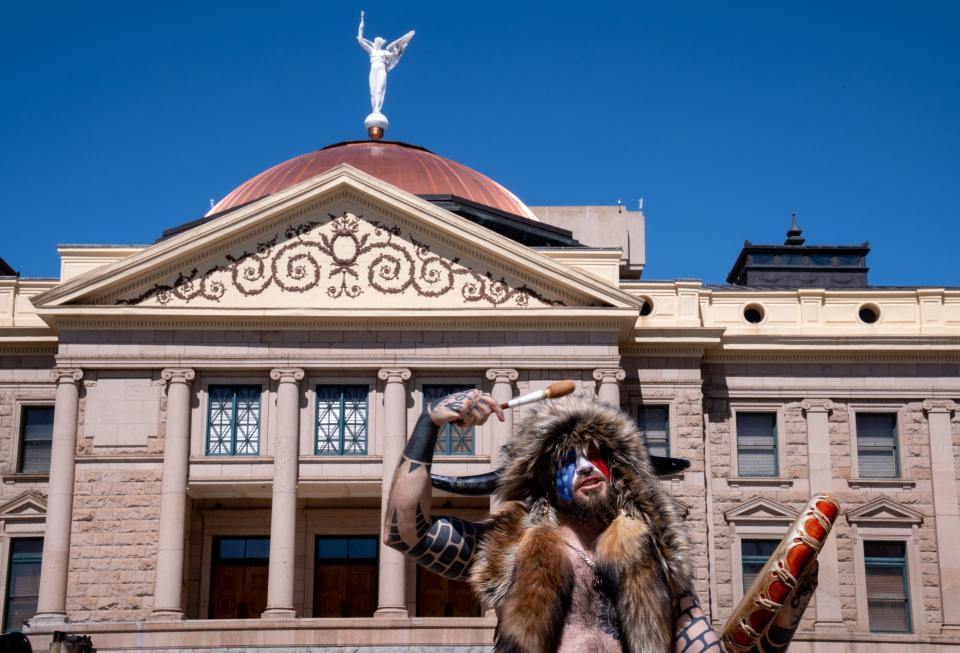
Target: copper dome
[412,168]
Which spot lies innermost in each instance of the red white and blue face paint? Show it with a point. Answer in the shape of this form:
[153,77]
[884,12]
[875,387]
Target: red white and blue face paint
[574,463]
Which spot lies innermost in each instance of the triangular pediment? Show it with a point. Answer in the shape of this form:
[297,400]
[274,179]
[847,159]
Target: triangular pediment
[26,506]
[342,241]
[884,512]
[761,510]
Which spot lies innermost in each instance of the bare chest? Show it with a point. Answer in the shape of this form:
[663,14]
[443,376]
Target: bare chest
[591,625]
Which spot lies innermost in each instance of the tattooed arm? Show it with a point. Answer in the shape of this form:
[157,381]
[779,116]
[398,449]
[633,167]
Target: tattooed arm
[694,634]
[443,545]
[692,630]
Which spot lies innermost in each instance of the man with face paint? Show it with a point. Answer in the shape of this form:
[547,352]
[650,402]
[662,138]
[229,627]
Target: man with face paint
[587,553]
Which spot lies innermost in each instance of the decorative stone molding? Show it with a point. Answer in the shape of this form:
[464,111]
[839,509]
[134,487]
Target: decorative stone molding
[331,257]
[761,510]
[939,406]
[28,506]
[287,374]
[178,375]
[394,375]
[66,374]
[609,375]
[502,375]
[884,512]
[89,383]
[817,405]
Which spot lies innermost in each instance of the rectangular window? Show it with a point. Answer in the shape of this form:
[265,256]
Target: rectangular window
[877,445]
[23,584]
[654,423]
[453,440]
[753,555]
[341,420]
[347,573]
[233,420]
[888,598]
[36,439]
[238,578]
[757,444]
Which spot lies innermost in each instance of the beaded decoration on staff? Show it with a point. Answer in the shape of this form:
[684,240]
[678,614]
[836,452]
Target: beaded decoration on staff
[777,581]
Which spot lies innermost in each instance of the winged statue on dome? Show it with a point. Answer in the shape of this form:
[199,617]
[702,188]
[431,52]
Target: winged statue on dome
[382,60]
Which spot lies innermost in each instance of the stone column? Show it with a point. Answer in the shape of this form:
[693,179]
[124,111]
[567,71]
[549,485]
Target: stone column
[502,391]
[168,588]
[609,380]
[283,511]
[391,599]
[945,507]
[829,614]
[52,599]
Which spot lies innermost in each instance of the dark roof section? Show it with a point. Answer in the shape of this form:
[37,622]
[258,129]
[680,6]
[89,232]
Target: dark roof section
[797,265]
[525,231]
[186,226]
[6,270]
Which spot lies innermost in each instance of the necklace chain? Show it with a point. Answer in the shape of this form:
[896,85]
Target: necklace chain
[597,580]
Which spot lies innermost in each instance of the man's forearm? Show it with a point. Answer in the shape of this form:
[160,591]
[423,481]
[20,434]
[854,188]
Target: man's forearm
[443,545]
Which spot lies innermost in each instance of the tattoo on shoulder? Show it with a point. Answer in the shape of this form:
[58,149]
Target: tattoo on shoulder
[692,631]
[444,547]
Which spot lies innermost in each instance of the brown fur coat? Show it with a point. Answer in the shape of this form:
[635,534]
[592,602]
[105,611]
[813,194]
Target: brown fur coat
[521,567]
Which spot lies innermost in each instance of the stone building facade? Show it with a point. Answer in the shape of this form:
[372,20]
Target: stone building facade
[227,405]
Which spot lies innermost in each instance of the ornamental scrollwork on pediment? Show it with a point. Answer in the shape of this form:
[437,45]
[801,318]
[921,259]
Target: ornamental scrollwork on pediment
[336,256]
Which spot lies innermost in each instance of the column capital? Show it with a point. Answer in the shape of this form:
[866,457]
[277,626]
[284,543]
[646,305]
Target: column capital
[502,375]
[178,375]
[287,374]
[609,375]
[66,374]
[817,405]
[394,374]
[939,406]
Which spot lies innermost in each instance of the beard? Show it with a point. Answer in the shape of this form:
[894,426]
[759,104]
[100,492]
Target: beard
[595,510]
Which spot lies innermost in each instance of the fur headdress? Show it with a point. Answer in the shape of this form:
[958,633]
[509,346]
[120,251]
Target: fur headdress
[522,568]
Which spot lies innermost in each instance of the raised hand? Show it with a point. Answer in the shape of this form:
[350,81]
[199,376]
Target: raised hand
[465,408]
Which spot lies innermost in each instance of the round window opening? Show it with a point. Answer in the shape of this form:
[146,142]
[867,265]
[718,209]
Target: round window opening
[869,314]
[647,307]
[753,314]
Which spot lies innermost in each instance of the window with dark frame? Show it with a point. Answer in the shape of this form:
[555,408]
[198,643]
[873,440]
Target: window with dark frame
[23,581]
[36,439]
[757,444]
[877,455]
[347,574]
[654,423]
[754,553]
[452,440]
[341,428]
[888,594]
[233,420]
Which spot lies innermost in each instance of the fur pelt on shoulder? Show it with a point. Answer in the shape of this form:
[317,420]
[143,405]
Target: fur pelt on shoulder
[522,568]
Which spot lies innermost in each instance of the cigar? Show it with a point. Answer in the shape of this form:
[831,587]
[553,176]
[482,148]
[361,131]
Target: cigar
[552,391]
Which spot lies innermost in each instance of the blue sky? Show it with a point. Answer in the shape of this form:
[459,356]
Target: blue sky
[121,119]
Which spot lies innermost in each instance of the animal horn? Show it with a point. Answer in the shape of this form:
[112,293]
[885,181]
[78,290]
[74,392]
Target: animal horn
[471,486]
